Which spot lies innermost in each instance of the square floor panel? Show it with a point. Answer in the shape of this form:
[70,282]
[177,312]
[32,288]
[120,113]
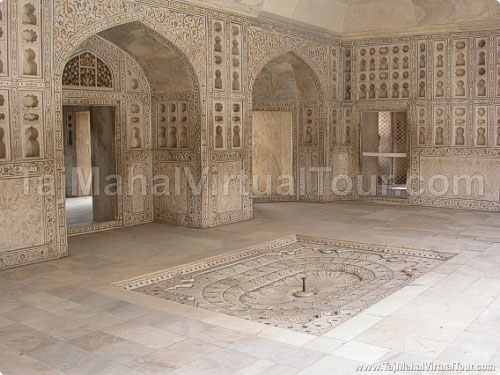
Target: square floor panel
[264,283]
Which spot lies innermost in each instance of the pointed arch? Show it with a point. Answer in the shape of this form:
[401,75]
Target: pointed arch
[298,56]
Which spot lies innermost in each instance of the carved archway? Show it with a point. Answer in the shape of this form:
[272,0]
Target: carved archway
[195,69]
[286,95]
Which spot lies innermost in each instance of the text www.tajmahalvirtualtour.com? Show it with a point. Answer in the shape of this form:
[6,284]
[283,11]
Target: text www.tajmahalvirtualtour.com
[324,179]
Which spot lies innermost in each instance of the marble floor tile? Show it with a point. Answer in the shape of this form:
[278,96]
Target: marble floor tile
[12,362]
[188,327]
[324,344]
[485,286]
[361,352]
[285,354]
[124,352]
[95,340]
[220,362]
[220,336]
[396,300]
[471,347]
[353,327]
[173,357]
[332,365]
[157,338]
[265,367]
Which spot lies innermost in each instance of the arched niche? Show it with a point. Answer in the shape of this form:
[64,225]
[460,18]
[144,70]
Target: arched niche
[286,98]
[153,76]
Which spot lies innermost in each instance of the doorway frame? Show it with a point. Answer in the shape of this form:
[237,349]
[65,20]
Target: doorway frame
[294,108]
[70,101]
[359,110]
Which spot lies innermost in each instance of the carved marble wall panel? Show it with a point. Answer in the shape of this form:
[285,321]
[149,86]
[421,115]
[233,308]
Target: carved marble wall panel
[30,38]
[460,124]
[497,127]
[22,219]
[497,65]
[221,127]
[481,63]
[219,53]
[5,134]
[32,132]
[173,124]
[229,187]
[440,68]
[480,135]
[383,71]
[273,152]
[460,62]
[28,218]
[4,36]
[454,167]
[174,196]
[236,54]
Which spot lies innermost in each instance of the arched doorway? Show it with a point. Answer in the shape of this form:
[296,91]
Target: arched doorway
[153,104]
[285,130]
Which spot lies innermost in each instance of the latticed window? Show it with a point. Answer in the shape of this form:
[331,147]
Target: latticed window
[87,70]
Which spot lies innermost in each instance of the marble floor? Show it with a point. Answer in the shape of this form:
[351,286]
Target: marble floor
[66,317]
[79,212]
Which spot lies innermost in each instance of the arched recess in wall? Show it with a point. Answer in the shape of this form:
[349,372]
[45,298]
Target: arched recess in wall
[156,100]
[286,97]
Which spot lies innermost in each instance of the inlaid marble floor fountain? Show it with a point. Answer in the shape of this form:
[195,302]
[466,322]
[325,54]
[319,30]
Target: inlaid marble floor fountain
[301,283]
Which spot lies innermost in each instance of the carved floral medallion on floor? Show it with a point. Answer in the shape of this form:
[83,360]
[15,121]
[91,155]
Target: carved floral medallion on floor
[264,283]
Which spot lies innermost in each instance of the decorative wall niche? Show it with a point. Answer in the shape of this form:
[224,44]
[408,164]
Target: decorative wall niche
[30,39]
[335,73]
[4,126]
[460,84]
[480,126]
[348,74]
[348,135]
[497,127]
[4,51]
[482,57]
[219,54]
[220,125]
[309,126]
[423,134]
[497,61]
[334,127]
[384,71]
[173,125]
[422,63]
[440,67]
[86,70]
[32,123]
[459,125]
[236,136]
[132,80]
[439,135]
[236,60]
[135,125]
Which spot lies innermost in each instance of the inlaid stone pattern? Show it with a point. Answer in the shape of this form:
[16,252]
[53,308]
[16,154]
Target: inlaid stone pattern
[259,283]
